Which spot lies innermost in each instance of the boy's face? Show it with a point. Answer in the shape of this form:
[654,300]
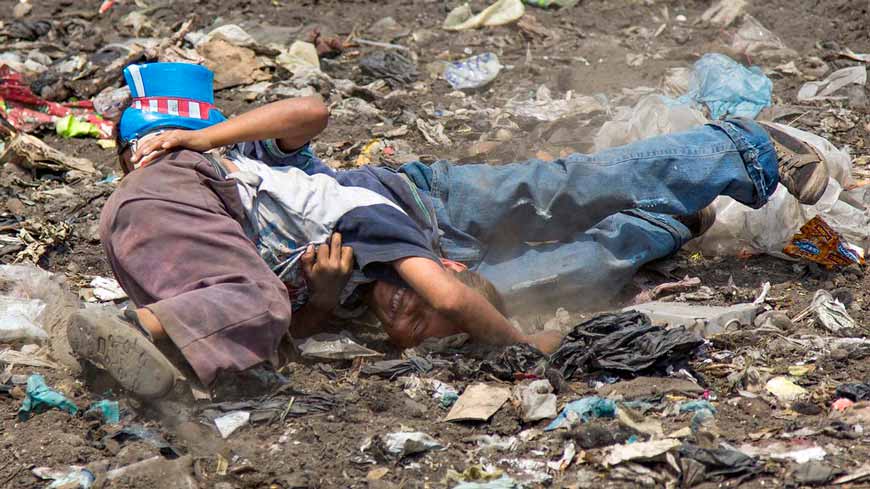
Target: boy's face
[406,317]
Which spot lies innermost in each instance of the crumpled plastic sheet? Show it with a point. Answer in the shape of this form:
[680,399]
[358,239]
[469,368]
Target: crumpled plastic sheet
[390,369]
[398,445]
[501,12]
[286,403]
[548,109]
[740,230]
[827,88]
[753,40]
[711,463]
[729,88]
[854,392]
[108,410]
[623,343]
[41,398]
[151,436]
[73,477]
[831,313]
[328,346]
[390,66]
[20,320]
[584,409]
[651,116]
[697,405]
[514,359]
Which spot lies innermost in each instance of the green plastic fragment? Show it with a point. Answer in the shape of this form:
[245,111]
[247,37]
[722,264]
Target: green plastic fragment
[40,398]
[108,409]
[70,127]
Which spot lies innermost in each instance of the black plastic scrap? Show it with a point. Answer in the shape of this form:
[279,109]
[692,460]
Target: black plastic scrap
[514,359]
[390,66]
[853,392]
[390,369]
[139,432]
[624,343]
[700,464]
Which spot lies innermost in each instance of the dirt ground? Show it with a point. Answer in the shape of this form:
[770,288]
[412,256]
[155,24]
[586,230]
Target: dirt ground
[584,49]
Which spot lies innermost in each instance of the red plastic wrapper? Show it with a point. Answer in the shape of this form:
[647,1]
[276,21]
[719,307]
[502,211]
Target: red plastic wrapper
[818,242]
[27,112]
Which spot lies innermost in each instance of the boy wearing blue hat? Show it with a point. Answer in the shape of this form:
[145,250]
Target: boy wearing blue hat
[191,265]
[208,249]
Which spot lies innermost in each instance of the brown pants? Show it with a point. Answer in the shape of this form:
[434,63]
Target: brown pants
[173,236]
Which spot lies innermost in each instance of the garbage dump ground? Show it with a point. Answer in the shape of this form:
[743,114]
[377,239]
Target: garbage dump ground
[758,381]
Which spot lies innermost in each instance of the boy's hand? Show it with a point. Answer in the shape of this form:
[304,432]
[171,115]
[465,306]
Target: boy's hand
[156,146]
[327,275]
[546,341]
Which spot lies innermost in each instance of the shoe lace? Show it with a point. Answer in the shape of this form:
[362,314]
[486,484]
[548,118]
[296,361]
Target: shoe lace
[790,162]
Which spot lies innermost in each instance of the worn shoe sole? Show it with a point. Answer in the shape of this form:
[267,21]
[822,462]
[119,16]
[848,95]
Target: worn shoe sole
[130,358]
[815,186]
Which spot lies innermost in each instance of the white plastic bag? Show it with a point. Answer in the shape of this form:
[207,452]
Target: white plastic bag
[651,116]
[20,320]
[35,306]
[740,230]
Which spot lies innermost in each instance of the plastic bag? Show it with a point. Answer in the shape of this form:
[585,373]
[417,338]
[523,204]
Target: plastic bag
[500,13]
[752,39]
[545,108]
[651,116]
[825,89]
[740,230]
[28,284]
[41,397]
[473,72]
[19,320]
[389,65]
[728,88]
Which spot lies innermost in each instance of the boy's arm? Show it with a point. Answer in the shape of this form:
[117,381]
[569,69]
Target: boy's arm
[327,273]
[457,302]
[291,122]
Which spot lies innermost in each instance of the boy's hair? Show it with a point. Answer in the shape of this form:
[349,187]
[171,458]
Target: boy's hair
[484,287]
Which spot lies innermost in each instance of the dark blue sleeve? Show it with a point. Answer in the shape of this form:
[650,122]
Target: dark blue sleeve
[268,152]
[380,235]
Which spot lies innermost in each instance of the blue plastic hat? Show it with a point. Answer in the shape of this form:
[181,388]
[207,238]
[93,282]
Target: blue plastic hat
[168,95]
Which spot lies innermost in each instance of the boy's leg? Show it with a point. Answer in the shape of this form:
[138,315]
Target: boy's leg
[586,272]
[674,174]
[177,248]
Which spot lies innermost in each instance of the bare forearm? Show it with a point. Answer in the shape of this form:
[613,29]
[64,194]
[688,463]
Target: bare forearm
[293,122]
[460,304]
[477,317]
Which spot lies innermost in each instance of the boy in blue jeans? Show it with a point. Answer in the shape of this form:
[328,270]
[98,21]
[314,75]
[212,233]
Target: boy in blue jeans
[179,258]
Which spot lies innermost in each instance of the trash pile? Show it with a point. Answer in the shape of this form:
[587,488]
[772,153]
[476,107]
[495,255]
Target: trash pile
[739,360]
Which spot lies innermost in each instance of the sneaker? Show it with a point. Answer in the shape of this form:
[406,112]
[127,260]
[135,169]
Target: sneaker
[699,222]
[123,349]
[801,169]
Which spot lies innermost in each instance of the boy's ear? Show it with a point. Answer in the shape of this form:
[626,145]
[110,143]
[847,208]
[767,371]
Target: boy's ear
[453,265]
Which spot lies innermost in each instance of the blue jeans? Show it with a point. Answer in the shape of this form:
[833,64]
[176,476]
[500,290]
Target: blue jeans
[579,206]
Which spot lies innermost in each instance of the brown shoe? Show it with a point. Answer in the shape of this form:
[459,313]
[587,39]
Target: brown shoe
[699,222]
[801,169]
[110,341]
